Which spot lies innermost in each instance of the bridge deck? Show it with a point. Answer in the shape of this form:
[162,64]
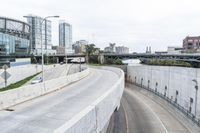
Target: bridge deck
[47,113]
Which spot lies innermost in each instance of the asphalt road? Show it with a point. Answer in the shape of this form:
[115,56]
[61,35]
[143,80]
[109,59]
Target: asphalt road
[143,115]
[49,112]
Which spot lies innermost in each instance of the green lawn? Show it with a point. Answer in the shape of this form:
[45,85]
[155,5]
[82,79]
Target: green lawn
[19,83]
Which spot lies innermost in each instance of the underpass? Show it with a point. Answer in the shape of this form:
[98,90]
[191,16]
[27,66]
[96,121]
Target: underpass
[142,112]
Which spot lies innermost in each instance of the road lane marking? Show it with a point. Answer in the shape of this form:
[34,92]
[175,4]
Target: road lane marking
[126,118]
[150,110]
[165,108]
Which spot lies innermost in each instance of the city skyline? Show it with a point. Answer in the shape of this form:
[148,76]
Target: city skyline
[134,24]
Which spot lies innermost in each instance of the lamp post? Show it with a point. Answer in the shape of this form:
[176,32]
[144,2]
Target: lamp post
[156,86]
[42,45]
[148,84]
[41,40]
[135,80]
[141,81]
[196,89]
[165,93]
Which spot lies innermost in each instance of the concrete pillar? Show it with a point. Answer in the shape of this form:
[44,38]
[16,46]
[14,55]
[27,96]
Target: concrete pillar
[101,58]
[87,58]
[57,59]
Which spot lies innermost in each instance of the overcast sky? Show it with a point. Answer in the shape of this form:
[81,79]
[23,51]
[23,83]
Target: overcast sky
[132,23]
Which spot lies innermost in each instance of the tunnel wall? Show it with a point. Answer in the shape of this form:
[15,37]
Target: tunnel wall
[174,83]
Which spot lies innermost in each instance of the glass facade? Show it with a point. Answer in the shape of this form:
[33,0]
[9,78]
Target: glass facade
[35,22]
[10,44]
[65,35]
[14,37]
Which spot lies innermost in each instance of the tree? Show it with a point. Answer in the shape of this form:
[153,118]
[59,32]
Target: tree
[90,50]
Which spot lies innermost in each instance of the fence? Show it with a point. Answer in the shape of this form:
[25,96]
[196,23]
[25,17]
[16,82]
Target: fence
[185,111]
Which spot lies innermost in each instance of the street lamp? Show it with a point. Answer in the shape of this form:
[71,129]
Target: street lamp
[141,81]
[196,88]
[41,40]
[165,93]
[42,45]
[156,86]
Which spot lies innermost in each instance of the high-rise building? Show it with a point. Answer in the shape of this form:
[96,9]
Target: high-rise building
[37,40]
[65,36]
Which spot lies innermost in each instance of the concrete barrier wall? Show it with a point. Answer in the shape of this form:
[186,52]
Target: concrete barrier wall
[16,96]
[174,82]
[21,72]
[95,117]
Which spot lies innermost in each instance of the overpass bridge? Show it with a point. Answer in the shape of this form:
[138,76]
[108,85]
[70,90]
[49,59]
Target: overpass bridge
[193,59]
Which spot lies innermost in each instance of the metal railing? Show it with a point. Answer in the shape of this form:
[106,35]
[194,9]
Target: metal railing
[185,111]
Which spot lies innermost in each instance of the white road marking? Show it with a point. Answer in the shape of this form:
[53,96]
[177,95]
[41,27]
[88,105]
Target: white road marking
[151,111]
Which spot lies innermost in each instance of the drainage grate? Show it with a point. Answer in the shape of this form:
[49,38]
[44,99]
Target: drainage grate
[9,110]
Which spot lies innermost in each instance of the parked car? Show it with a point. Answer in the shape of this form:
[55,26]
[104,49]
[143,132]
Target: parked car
[36,80]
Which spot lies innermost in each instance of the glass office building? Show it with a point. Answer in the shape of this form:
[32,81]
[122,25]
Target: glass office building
[36,22]
[14,37]
[65,36]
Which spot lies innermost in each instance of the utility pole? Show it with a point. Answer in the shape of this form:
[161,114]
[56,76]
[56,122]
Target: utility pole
[5,74]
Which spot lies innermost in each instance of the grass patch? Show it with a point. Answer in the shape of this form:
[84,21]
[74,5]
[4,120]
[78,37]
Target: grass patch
[18,83]
[166,63]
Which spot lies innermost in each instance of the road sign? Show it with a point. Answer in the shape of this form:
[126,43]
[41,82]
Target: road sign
[5,75]
[5,67]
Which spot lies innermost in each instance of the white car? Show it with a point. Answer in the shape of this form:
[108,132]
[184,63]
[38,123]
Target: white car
[36,80]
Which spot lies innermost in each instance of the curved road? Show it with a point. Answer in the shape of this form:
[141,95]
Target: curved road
[140,114]
[49,112]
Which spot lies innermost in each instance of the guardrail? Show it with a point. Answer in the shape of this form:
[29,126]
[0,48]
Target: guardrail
[12,97]
[185,111]
[96,116]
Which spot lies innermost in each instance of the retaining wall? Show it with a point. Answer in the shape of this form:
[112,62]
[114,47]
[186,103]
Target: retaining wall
[21,72]
[173,83]
[16,96]
[95,117]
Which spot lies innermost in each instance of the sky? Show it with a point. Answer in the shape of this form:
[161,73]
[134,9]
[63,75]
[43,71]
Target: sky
[132,23]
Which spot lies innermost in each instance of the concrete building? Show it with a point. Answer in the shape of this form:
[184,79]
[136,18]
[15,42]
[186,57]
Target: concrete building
[191,44]
[122,50]
[65,36]
[14,37]
[37,40]
[60,50]
[111,48]
[79,46]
